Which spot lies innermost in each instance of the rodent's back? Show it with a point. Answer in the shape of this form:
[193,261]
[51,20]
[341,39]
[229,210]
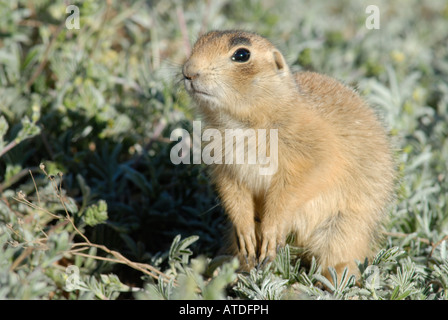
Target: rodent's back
[336,103]
[362,140]
[343,109]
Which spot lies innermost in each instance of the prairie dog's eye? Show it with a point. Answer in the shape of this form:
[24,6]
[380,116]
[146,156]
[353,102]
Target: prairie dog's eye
[241,55]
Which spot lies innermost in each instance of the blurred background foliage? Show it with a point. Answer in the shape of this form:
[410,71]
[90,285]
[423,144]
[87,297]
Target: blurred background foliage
[96,106]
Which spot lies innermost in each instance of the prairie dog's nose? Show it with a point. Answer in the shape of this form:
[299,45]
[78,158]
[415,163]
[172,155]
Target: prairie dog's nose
[189,71]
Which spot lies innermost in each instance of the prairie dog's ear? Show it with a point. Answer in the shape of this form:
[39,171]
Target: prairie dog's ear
[280,62]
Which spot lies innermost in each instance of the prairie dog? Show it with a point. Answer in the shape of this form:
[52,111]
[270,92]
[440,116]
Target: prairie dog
[334,172]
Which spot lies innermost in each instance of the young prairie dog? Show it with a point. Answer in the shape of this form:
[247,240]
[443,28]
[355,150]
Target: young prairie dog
[334,172]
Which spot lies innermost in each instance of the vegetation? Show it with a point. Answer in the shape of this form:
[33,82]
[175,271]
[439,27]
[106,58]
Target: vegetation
[91,206]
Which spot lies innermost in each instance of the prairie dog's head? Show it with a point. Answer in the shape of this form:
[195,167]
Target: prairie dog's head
[235,70]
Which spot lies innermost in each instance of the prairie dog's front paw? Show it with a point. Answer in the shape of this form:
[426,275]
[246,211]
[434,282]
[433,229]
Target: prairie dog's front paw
[247,245]
[271,240]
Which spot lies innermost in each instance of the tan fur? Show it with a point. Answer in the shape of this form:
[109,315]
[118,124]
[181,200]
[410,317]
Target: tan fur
[335,172]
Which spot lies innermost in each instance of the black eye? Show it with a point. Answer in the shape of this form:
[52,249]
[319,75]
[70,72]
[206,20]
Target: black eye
[241,55]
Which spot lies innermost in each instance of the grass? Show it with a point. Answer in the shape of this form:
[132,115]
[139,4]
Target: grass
[91,206]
